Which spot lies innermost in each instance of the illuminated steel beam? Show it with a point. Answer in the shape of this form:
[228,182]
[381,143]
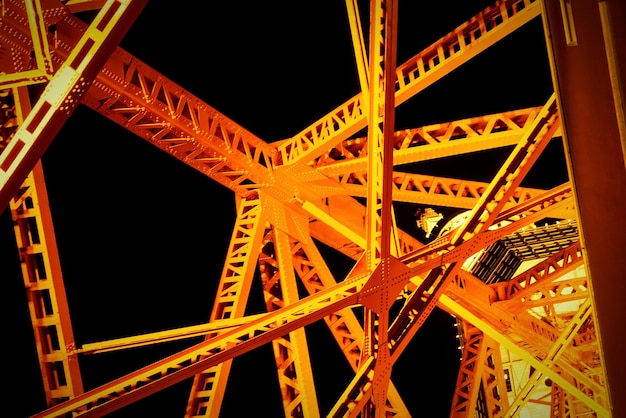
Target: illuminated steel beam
[442,57]
[45,291]
[163,113]
[537,335]
[434,190]
[418,307]
[151,101]
[576,406]
[226,346]
[38,31]
[381,118]
[519,289]
[458,308]
[547,294]
[207,391]
[141,100]
[343,324]
[533,336]
[291,352]
[43,279]
[355,398]
[212,352]
[379,220]
[434,141]
[212,328]
[158,110]
[315,275]
[586,41]
[423,299]
[165,373]
[429,290]
[559,406]
[493,380]
[512,172]
[414,313]
[63,93]
[560,345]
[468,381]
[24,32]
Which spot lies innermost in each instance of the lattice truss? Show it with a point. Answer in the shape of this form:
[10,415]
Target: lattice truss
[509,268]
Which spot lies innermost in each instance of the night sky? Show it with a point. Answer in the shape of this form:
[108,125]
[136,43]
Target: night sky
[142,237]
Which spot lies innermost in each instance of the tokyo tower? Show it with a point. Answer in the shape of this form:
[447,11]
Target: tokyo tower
[341,209]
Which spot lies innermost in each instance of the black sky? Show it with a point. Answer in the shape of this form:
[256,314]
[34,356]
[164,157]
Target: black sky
[142,236]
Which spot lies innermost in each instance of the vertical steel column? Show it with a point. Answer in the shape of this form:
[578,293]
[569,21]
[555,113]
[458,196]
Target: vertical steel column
[47,302]
[382,65]
[586,41]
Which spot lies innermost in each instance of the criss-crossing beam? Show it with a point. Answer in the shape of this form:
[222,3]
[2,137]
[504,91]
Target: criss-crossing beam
[63,93]
[174,120]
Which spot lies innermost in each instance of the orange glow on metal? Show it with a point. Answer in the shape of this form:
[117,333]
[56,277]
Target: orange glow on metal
[327,184]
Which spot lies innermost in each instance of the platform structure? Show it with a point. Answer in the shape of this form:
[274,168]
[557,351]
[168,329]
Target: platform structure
[530,276]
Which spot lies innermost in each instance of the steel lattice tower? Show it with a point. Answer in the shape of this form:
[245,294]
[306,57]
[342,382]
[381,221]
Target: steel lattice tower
[529,276]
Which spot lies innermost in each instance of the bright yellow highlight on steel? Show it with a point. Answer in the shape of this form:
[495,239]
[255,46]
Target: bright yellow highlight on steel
[511,265]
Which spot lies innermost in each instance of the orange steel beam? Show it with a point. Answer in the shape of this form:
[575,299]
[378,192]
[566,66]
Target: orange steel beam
[141,100]
[527,333]
[537,334]
[27,21]
[586,41]
[186,112]
[434,141]
[165,130]
[558,348]
[212,328]
[356,396]
[45,290]
[316,276]
[380,223]
[423,300]
[154,92]
[381,118]
[429,290]
[461,308]
[534,335]
[207,391]
[214,351]
[433,190]
[442,57]
[178,105]
[43,280]
[512,172]
[343,324]
[63,92]
[493,380]
[490,206]
[76,6]
[470,371]
[521,286]
[291,352]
